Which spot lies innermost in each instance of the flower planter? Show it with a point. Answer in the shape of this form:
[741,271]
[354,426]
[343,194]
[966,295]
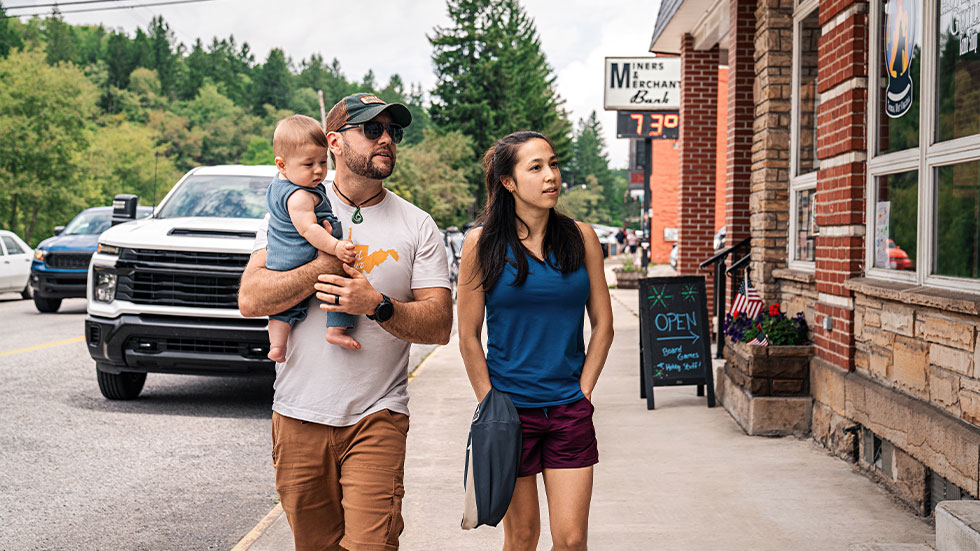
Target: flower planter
[627,280]
[766,388]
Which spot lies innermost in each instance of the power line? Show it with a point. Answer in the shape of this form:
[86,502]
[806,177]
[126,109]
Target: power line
[58,4]
[108,8]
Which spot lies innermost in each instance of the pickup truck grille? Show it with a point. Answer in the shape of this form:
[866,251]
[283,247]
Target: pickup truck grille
[180,278]
[68,261]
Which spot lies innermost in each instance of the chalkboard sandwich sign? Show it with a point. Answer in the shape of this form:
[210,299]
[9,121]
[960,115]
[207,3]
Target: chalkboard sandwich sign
[675,340]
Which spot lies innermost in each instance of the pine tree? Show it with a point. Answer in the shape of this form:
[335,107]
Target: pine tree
[493,78]
[272,82]
[163,54]
[9,39]
[62,44]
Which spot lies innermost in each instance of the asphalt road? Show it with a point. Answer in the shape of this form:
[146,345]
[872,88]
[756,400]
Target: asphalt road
[185,466]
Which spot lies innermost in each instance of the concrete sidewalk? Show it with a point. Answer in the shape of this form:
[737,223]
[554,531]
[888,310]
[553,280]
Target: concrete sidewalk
[682,477]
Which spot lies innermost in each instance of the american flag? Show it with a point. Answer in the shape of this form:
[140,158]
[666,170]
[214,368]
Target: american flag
[747,301]
[760,340]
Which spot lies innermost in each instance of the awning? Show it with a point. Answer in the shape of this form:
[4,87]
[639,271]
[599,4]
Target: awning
[705,20]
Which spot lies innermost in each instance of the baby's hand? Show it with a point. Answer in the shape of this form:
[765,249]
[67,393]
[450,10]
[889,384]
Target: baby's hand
[345,251]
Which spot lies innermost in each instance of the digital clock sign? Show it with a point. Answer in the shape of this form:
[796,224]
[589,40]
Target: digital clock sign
[655,125]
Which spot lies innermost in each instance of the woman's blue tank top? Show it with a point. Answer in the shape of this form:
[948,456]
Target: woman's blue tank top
[535,346]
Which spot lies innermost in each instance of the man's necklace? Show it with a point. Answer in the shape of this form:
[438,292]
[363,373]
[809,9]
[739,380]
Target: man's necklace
[357,218]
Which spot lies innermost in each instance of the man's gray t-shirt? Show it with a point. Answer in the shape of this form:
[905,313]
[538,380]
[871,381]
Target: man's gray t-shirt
[399,248]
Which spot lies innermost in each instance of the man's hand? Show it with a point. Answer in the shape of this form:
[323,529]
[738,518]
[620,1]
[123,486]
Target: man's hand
[354,295]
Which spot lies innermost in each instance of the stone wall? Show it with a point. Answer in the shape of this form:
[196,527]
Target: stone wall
[769,199]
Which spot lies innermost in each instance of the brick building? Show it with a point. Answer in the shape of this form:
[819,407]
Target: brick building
[852,161]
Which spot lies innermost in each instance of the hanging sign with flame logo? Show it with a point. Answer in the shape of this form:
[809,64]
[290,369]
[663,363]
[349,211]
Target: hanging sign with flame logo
[899,47]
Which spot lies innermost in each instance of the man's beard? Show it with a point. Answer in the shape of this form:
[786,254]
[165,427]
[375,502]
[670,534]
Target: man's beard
[362,165]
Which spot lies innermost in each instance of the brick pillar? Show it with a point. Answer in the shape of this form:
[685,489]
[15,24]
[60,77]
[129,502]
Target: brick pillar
[769,199]
[842,150]
[696,205]
[741,117]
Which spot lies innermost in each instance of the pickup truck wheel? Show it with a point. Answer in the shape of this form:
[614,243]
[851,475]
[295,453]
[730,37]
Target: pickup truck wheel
[121,386]
[26,294]
[47,305]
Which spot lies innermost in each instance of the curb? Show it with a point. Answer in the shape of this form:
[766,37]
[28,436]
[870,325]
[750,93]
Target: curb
[259,529]
[255,533]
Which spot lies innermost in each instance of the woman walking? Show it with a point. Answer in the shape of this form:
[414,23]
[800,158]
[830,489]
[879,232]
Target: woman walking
[533,273]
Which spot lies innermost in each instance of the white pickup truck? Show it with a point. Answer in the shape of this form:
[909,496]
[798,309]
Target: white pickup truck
[163,291]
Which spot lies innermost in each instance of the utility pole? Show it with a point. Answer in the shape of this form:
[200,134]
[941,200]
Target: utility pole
[156,161]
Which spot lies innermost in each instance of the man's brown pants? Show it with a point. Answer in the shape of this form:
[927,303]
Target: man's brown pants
[342,487]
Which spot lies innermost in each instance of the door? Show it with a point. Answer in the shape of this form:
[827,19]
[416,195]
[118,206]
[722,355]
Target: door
[15,265]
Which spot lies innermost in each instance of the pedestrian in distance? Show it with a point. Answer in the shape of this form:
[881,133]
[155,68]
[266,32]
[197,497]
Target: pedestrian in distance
[340,417]
[298,205]
[621,237]
[533,273]
[633,240]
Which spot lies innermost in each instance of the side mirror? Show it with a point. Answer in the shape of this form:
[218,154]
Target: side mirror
[124,208]
[58,230]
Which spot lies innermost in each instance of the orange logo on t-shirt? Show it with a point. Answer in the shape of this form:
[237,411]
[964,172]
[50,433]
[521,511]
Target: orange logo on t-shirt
[366,260]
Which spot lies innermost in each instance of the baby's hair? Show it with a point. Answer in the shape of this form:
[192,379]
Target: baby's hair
[295,131]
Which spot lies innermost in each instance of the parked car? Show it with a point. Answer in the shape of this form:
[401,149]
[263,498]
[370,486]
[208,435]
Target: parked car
[673,257]
[15,264]
[453,239]
[60,264]
[898,259]
[607,239]
[163,291]
[719,240]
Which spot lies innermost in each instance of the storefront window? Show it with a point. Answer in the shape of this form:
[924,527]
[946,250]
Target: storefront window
[958,89]
[809,30]
[806,224]
[899,90]
[958,209]
[895,222]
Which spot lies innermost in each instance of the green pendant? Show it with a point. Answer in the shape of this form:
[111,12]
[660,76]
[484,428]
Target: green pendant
[357,218]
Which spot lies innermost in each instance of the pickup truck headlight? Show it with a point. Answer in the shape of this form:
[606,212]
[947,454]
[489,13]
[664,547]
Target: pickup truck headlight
[105,286]
[39,254]
[107,249]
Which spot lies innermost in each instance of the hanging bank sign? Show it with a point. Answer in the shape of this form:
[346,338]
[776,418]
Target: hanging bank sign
[642,83]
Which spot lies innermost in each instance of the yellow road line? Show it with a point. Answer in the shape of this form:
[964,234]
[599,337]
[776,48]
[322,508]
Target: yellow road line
[40,346]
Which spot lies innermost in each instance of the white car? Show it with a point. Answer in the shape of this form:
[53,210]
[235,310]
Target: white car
[15,264]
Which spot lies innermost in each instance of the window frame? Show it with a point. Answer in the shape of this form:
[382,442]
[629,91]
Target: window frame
[926,158]
[808,181]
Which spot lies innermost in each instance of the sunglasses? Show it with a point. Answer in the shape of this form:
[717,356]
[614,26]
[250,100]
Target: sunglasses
[374,129]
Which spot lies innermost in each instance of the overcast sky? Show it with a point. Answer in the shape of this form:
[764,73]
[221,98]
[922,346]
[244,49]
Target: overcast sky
[389,36]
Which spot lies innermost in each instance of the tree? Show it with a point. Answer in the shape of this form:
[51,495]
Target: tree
[124,158]
[46,115]
[432,175]
[225,128]
[62,44]
[493,78]
[259,152]
[272,82]
[163,57]
[9,37]
[589,166]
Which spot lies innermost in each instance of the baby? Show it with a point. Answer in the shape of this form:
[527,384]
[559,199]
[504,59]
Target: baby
[298,205]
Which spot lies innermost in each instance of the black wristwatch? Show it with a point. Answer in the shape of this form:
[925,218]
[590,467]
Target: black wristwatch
[384,311]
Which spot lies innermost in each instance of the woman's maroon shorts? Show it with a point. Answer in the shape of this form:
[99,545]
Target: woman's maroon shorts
[557,437]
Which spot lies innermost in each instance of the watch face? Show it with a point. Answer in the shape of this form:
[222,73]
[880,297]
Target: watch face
[384,310]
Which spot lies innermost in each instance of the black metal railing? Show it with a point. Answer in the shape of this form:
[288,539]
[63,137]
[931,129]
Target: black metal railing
[721,295]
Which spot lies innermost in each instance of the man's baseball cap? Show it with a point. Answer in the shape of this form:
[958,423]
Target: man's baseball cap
[358,108]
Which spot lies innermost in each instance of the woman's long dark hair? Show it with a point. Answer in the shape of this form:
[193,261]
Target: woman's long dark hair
[563,247]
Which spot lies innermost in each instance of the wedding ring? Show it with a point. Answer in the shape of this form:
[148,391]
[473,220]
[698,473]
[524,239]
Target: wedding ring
[336,300]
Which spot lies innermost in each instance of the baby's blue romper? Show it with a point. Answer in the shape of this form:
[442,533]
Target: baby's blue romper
[287,249]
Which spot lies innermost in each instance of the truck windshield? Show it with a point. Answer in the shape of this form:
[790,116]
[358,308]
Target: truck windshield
[218,196]
[89,222]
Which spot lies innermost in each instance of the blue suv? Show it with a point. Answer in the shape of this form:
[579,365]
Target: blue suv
[60,265]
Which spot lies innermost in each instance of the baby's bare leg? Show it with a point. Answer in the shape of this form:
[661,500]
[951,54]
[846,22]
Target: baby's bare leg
[278,335]
[339,336]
